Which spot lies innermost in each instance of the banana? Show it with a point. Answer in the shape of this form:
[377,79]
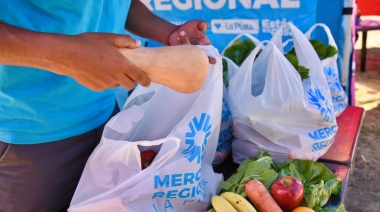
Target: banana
[221,205]
[238,202]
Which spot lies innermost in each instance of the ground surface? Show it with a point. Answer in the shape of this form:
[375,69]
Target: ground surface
[364,187]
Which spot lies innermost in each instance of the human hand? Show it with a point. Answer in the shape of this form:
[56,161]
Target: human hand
[191,32]
[93,60]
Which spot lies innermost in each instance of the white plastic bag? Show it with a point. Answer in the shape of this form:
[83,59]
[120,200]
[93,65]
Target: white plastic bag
[330,69]
[274,111]
[182,128]
[239,36]
[225,137]
[224,147]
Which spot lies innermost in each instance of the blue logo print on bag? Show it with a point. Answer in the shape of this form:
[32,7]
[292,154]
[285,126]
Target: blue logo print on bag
[332,79]
[338,96]
[226,112]
[199,129]
[321,103]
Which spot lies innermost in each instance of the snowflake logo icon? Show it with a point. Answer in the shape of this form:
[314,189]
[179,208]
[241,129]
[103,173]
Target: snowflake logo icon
[332,79]
[198,129]
[321,103]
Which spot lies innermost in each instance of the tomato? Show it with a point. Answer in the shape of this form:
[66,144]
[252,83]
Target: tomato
[147,157]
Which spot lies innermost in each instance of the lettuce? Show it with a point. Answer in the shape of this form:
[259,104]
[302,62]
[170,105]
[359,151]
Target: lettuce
[237,52]
[322,51]
[318,180]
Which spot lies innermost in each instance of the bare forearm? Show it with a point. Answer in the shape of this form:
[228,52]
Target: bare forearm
[144,23]
[92,59]
[21,47]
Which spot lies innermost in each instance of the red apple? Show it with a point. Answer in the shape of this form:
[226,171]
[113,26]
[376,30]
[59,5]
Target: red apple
[147,158]
[288,192]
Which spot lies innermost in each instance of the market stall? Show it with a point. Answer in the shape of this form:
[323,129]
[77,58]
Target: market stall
[277,103]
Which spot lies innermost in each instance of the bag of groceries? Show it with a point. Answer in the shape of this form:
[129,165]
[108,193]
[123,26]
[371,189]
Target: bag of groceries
[223,148]
[329,56]
[275,111]
[233,55]
[156,154]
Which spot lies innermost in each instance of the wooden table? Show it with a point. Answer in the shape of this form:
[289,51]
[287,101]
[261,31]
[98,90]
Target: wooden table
[342,151]
[365,26]
[339,158]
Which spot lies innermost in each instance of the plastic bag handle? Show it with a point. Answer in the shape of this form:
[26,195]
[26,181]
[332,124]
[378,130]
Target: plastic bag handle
[231,71]
[327,31]
[305,52]
[251,57]
[287,42]
[248,62]
[251,37]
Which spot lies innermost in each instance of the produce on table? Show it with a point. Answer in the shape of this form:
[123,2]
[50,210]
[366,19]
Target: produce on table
[260,197]
[147,158]
[319,182]
[238,202]
[228,201]
[221,205]
[183,68]
[303,209]
[288,192]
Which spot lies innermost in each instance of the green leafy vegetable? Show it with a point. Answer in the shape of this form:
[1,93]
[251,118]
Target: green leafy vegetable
[340,208]
[237,52]
[302,70]
[225,73]
[260,168]
[319,181]
[323,51]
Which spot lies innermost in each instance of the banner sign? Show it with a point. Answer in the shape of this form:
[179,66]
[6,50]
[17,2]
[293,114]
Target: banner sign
[228,18]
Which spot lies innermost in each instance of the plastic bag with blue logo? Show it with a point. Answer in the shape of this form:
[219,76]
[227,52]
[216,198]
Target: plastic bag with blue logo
[182,128]
[240,47]
[330,69]
[224,147]
[275,112]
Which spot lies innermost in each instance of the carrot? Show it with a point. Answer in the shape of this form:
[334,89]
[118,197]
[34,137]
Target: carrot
[260,197]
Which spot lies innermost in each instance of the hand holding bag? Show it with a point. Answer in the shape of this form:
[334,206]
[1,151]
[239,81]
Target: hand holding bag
[182,128]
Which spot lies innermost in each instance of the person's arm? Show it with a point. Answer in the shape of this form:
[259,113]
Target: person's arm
[92,59]
[142,22]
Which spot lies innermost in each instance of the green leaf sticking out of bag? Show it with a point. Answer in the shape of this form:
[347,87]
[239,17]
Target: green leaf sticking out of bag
[302,70]
[237,52]
[323,52]
[225,73]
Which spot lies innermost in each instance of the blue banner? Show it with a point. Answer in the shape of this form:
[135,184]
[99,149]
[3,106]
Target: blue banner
[228,18]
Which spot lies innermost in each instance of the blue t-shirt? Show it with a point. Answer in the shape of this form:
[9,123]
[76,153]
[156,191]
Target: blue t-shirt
[38,106]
